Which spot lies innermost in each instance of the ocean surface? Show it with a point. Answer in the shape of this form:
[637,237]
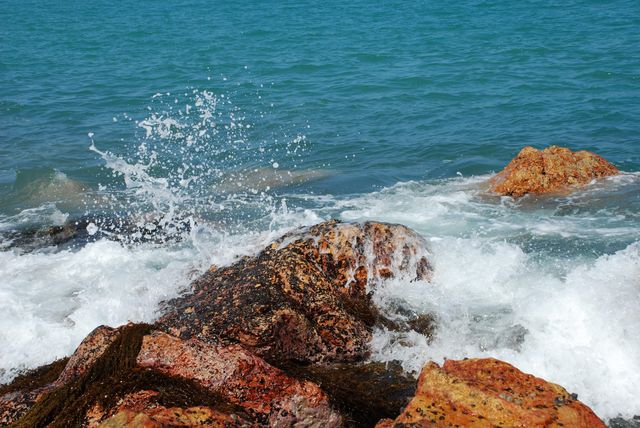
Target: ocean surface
[188,133]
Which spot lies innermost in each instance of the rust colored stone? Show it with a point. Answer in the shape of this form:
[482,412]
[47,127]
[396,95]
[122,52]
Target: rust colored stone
[490,393]
[162,417]
[305,297]
[550,170]
[241,378]
[89,350]
[17,403]
[137,376]
[141,410]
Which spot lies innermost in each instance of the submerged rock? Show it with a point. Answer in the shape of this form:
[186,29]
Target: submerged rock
[489,393]
[304,297]
[77,232]
[550,170]
[625,423]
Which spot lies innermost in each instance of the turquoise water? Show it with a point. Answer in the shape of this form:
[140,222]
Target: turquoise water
[403,90]
[246,120]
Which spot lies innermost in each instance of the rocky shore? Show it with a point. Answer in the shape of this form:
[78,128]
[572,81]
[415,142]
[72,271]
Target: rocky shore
[282,339]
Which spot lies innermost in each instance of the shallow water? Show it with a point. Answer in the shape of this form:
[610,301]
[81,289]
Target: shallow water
[245,122]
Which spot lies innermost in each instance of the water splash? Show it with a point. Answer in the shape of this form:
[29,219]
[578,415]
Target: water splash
[198,159]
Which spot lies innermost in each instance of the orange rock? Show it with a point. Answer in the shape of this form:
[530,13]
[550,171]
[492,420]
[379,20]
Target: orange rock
[549,170]
[89,350]
[141,410]
[160,417]
[490,393]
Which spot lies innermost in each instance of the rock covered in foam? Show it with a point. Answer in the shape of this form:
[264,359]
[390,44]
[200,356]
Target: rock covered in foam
[549,170]
[304,297]
[489,393]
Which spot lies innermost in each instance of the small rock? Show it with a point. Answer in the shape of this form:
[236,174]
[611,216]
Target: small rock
[550,170]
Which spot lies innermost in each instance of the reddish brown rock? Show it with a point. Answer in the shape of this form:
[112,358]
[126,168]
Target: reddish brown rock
[490,393]
[305,296]
[240,378]
[142,376]
[18,398]
[89,350]
[140,410]
[550,170]
[161,417]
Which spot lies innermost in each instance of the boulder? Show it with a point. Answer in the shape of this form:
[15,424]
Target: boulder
[138,376]
[240,378]
[550,170]
[305,297]
[490,393]
[17,397]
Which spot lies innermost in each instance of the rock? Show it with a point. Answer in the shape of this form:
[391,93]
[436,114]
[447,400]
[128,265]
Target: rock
[138,376]
[17,397]
[304,297]
[79,231]
[550,170]
[489,393]
[160,417]
[625,423]
[240,378]
[90,349]
[363,392]
[142,410]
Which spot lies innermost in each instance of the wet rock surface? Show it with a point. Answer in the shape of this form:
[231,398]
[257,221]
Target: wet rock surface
[304,297]
[240,378]
[17,397]
[159,417]
[144,375]
[553,169]
[364,393]
[490,393]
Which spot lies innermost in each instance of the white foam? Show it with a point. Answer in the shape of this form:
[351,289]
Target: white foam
[582,329]
[550,284]
[50,301]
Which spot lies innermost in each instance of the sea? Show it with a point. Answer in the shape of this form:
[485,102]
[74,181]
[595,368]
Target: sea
[180,135]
